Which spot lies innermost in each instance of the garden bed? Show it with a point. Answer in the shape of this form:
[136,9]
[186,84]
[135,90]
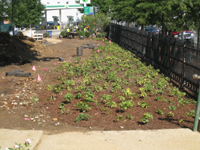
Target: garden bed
[114,90]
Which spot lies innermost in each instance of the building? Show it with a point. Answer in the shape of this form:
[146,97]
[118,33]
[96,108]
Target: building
[61,11]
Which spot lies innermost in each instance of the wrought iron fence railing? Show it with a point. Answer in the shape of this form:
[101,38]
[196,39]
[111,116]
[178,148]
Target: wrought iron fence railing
[174,59]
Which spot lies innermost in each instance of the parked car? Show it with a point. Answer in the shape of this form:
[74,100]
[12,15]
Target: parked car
[188,35]
[50,23]
[151,29]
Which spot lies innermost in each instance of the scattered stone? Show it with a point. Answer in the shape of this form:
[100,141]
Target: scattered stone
[55,119]
[36,117]
[44,121]
[41,115]
[2,95]
[18,82]
[32,119]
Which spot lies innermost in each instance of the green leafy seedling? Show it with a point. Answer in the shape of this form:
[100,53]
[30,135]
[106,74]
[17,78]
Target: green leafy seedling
[68,97]
[170,114]
[106,97]
[78,95]
[126,104]
[143,104]
[172,107]
[146,117]
[34,99]
[129,117]
[111,104]
[159,111]
[118,118]
[191,113]
[82,116]
[62,107]
[83,106]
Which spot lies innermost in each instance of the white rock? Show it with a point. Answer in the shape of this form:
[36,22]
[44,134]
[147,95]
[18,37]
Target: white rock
[25,116]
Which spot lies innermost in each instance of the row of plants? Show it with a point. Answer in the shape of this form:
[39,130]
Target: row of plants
[114,70]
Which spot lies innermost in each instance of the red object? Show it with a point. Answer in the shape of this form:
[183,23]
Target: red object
[175,32]
[88,27]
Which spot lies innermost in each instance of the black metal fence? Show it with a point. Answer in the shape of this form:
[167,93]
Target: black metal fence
[174,59]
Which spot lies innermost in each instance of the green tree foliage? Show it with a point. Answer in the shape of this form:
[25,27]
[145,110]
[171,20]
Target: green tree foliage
[143,12]
[103,5]
[4,5]
[98,21]
[191,15]
[26,12]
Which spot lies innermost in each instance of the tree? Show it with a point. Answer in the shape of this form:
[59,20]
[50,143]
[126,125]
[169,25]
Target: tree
[104,5]
[143,12]
[98,21]
[26,12]
[4,4]
[191,16]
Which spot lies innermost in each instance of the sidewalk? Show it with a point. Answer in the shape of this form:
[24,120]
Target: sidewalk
[169,139]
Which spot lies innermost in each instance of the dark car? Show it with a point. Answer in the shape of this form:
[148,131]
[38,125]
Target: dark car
[151,29]
[50,23]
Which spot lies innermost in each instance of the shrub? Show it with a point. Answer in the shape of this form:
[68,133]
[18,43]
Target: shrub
[81,33]
[46,34]
[63,33]
[103,34]
[98,35]
[87,34]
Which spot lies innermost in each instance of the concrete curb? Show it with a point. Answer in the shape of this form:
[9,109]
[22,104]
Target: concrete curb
[173,139]
[8,138]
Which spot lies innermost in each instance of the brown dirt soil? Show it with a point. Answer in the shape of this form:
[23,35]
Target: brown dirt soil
[19,111]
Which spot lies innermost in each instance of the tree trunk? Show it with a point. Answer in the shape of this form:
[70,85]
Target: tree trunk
[142,27]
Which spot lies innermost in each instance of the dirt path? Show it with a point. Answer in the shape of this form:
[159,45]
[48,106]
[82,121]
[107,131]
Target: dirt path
[15,92]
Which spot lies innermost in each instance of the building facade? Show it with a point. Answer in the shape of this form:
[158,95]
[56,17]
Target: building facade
[62,10]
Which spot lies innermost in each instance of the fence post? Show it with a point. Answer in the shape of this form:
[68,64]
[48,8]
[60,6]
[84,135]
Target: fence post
[77,51]
[183,74]
[81,50]
[196,119]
